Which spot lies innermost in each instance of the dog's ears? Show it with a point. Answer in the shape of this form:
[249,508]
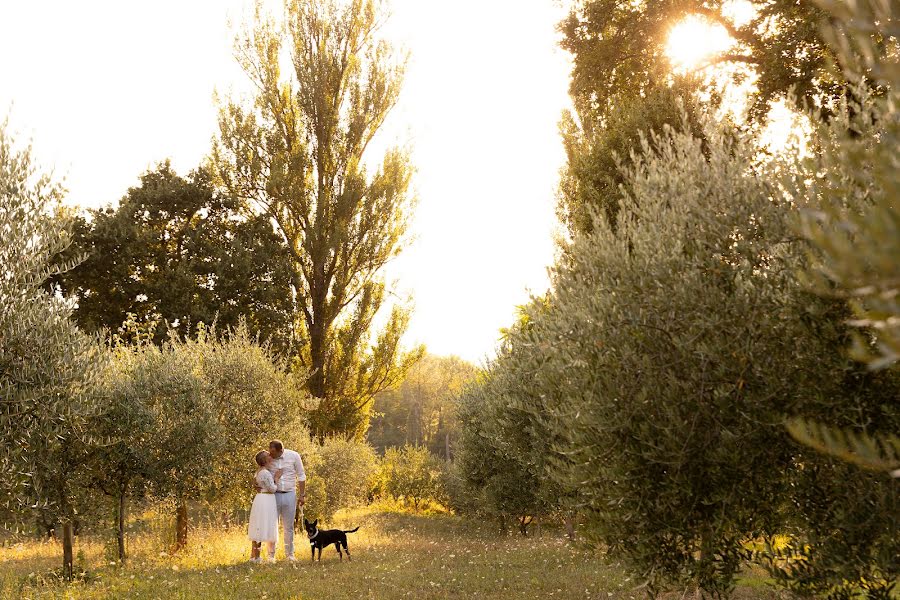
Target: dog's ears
[314,522]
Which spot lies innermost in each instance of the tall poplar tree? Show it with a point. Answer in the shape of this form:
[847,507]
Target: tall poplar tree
[299,152]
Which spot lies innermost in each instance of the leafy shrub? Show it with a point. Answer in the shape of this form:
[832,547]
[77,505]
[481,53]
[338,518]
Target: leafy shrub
[412,474]
[342,476]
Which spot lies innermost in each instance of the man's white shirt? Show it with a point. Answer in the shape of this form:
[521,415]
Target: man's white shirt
[292,470]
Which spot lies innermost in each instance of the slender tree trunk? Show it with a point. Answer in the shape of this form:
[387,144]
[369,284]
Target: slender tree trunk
[703,556]
[569,523]
[317,361]
[120,529]
[447,446]
[181,524]
[316,382]
[68,543]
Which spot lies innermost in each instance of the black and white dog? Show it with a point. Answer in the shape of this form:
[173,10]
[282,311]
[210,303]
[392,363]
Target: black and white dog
[319,539]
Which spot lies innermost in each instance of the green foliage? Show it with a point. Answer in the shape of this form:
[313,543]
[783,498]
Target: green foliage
[658,373]
[504,457]
[597,146]
[859,449]
[177,253]
[843,527]
[671,348]
[185,435]
[853,219]
[421,411]
[347,470]
[849,190]
[411,473]
[47,366]
[188,417]
[253,400]
[298,152]
[620,46]
[123,467]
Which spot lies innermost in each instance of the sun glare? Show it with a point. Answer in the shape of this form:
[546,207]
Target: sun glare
[786,129]
[693,41]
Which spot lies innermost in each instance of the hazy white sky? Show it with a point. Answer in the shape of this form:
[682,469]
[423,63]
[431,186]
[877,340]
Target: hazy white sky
[107,88]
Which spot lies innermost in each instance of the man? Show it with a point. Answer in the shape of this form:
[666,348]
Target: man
[290,490]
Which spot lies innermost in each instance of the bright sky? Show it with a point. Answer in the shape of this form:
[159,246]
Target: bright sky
[107,88]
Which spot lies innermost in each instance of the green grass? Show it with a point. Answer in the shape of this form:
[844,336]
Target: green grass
[395,555]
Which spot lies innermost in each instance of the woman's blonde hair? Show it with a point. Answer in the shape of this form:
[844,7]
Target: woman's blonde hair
[261,457]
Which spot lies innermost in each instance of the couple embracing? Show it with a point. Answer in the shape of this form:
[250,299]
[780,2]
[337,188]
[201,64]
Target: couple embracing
[281,484]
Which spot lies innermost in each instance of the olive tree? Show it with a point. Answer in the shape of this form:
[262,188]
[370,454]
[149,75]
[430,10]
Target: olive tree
[848,189]
[343,474]
[253,399]
[411,473]
[672,349]
[47,366]
[505,482]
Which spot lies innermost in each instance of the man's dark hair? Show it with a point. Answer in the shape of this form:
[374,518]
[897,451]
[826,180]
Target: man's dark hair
[277,445]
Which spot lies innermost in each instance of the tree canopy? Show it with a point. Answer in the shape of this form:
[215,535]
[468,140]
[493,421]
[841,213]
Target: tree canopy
[623,85]
[176,253]
[619,46]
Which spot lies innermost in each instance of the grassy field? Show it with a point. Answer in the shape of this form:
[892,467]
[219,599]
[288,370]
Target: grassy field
[395,555]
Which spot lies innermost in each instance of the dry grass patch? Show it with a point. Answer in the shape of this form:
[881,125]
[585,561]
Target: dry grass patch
[395,556]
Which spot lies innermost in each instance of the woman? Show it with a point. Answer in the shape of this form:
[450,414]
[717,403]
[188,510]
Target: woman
[263,514]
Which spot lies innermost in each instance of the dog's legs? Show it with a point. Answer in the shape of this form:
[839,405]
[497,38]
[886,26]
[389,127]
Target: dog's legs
[347,550]
[320,553]
[338,546]
[312,549]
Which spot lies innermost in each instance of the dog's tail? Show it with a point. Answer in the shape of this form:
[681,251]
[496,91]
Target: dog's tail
[352,530]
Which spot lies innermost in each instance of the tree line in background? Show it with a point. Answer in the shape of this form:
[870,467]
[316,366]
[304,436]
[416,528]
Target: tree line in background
[685,390]
[422,409]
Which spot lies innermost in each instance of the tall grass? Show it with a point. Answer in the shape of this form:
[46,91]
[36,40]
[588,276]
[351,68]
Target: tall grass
[395,555]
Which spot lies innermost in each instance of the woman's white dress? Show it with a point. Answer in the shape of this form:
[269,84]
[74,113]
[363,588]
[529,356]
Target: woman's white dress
[263,514]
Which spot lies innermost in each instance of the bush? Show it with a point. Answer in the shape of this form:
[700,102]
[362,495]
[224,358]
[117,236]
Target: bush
[342,476]
[412,474]
[509,449]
